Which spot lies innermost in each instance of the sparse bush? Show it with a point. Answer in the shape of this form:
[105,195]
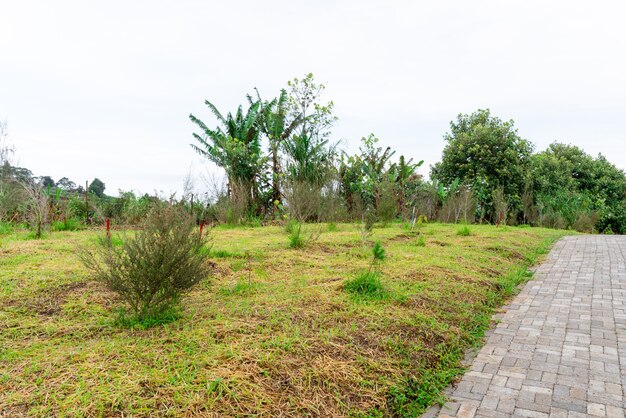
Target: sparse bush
[153,268]
[463,231]
[421,241]
[38,209]
[304,200]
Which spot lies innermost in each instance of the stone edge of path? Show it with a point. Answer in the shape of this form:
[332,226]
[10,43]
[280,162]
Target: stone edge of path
[470,355]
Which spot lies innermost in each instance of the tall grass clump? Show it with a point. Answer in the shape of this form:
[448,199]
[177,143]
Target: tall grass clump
[152,269]
[296,240]
[464,231]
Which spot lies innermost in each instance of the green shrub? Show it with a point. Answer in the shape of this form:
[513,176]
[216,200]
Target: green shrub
[421,241]
[151,269]
[366,284]
[332,227]
[464,231]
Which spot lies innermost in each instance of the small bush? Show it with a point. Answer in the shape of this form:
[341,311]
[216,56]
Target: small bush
[366,284]
[463,231]
[153,268]
[332,227]
[421,241]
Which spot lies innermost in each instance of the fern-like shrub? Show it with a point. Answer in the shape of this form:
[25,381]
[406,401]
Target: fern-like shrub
[151,269]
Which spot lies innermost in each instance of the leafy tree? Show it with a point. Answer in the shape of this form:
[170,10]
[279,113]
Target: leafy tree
[485,153]
[66,184]
[46,181]
[567,182]
[316,118]
[97,187]
[236,147]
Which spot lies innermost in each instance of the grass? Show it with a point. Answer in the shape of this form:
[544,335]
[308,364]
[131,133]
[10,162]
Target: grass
[271,333]
[464,231]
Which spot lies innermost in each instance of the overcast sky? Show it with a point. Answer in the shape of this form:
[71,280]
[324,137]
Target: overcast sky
[104,89]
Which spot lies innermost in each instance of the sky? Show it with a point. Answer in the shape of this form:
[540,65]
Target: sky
[104,89]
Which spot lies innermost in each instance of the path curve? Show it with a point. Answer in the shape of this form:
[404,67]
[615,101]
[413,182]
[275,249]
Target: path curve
[560,348]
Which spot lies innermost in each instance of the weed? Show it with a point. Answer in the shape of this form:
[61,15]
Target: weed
[332,227]
[421,241]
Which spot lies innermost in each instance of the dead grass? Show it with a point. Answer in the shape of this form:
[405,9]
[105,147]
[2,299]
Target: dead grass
[272,334]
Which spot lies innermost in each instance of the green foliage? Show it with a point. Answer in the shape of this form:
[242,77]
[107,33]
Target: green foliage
[235,146]
[68,224]
[290,225]
[97,187]
[332,227]
[296,239]
[366,284]
[153,268]
[378,253]
[464,231]
[485,153]
[5,228]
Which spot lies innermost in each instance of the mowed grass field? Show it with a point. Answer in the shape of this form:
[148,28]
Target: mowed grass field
[271,333]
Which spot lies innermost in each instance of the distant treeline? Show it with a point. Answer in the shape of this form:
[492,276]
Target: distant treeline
[280,163]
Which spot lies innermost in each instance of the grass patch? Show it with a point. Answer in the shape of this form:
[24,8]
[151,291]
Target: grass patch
[367,285]
[274,331]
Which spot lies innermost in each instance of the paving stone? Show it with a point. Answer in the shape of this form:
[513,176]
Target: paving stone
[559,348]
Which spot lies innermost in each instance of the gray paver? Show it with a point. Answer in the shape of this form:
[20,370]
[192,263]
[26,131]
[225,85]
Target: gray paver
[560,348]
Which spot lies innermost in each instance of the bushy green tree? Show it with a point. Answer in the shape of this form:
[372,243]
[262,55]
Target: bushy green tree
[485,153]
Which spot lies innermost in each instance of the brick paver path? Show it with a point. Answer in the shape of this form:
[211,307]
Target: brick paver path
[560,348]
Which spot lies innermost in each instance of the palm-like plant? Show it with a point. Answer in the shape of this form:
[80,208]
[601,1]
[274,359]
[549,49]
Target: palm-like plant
[235,146]
[277,126]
